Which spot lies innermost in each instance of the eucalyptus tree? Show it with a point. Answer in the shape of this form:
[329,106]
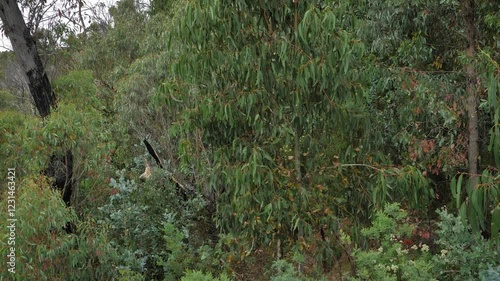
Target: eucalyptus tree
[270,111]
[259,81]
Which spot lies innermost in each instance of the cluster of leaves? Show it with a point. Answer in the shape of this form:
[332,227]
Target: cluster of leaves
[43,249]
[200,276]
[464,254]
[393,257]
[458,253]
[482,206]
[156,231]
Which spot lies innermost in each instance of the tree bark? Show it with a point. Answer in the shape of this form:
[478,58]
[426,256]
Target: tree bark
[472,103]
[60,168]
[24,46]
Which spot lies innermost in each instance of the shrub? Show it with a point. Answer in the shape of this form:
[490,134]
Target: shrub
[464,255]
[391,259]
[490,273]
[44,250]
[200,276]
[284,271]
[461,254]
[156,229]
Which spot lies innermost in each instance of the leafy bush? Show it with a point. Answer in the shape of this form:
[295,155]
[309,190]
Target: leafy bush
[284,271]
[44,250]
[200,276]
[490,273]
[133,226]
[392,260]
[153,227]
[464,254]
[20,147]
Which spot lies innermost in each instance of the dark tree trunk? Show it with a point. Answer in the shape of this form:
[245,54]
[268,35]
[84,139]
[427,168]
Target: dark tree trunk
[60,169]
[24,46]
[473,151]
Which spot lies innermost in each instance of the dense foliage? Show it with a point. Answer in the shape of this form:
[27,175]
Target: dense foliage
[298,140]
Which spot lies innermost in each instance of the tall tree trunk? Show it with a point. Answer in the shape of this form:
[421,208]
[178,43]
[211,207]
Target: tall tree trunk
[473,152]
[24,46]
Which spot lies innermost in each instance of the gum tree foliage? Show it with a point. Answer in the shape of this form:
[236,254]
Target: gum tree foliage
[43,250]
[109,50]
[420,93]
[76,125]
[269,99]
[24,46]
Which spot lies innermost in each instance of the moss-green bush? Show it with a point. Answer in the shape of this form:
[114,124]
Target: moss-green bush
[159,231]
[391,260]
[44,251]
[464,255]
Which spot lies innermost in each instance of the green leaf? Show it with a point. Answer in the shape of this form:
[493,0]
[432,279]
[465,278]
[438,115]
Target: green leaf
[458,191]
[495,223]
[296,224]
[463,213]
